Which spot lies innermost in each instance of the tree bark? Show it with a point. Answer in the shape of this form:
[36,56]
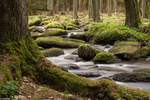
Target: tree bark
[75,9]
[109,7]
[13,19]
[50,6]
[132,13]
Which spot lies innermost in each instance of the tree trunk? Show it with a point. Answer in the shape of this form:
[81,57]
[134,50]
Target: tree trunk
[115,6]
[109,7]
[13,19]
[75,9]
[50,6]
[90,7]
[132,13]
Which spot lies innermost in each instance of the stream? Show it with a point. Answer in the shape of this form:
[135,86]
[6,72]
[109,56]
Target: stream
[75,65]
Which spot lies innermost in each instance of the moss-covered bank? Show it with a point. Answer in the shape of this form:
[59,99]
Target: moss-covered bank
[25,59]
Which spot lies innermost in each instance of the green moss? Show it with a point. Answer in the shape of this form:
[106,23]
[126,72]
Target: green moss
[145,70]
[54,24]
[52,52]
[34,65]
[48,42]
[34,20]
[50,32]
[108,34]
[104,57]
[143,52]
[79,36]
[87,52]
[126,49]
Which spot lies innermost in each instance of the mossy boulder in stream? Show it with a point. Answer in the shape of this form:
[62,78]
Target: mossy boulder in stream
[79,36]
[88,52]
[104,57]
[125,50]
[50,32]
[52,52]
[132,77]
[48,42]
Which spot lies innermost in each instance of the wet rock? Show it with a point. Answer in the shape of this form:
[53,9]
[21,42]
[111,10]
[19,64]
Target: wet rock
[148,59]
[89,74]
[55,41]
[132,77]
[37,29]
[87,52]
[104,58]
[70,57]
[75,52]
[73,66]
[107,46]
[63,67]
[125,50]
[52,52]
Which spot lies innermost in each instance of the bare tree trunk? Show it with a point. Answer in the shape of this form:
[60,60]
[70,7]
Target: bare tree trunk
[90,7]
[132,13]
[109,7]
[50,6]
[143,8]
[101,6]
[75,9]
[115,5]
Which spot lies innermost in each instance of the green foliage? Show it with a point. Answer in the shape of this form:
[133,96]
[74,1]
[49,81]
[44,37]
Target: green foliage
[104,57]
[10,89]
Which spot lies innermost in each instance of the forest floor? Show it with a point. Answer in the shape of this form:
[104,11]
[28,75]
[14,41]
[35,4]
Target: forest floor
[32,91]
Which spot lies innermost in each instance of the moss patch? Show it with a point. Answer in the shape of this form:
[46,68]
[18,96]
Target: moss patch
[126,49]
[34,20]
[52,52]
[104,57]
[48,42]
[50,32]
[108,34]
[87,52]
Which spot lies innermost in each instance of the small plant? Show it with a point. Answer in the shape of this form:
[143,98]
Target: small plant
[10,89]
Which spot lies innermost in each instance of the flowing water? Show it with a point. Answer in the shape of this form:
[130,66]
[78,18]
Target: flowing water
[97,71]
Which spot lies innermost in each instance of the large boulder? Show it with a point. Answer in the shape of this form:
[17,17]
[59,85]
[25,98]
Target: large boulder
[52,52]
[50,32]
[126,50]
[132,77]
[104,57]
[49,42]
[88,52]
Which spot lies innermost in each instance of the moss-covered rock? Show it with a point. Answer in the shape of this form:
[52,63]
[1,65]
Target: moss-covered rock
[79,36]
[87,52]
[143,52]
[54,24]
[104,57]
[132,77]
[126,50]
[52,52]
[48,42]
[50,32]
[34,20]
[108,34]
[144,70]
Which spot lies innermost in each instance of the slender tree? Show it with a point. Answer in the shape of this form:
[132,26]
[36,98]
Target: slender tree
[75,8]
[109,7]
[132,13]
[50,6]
